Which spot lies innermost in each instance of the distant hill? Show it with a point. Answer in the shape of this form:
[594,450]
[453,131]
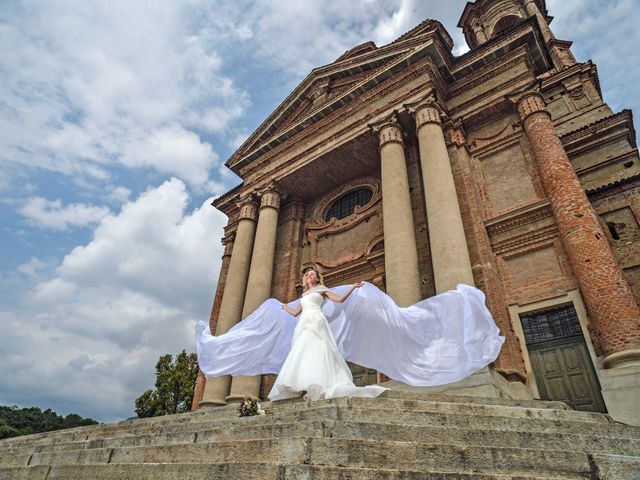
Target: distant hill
[16,421]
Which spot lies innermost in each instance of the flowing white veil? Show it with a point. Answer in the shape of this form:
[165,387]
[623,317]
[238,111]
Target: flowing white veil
[438,340]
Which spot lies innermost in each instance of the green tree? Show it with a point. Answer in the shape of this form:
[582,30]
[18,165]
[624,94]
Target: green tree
[175,382]
[16,421]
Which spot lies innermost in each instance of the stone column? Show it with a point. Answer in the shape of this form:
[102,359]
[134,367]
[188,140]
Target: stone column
[260,276]
[217,388]
[449,251]
[400,251]
[227,242]
[612,308]
[533,10]
[478,31]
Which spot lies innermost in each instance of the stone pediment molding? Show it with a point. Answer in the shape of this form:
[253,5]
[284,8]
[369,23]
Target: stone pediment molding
[328,88]
[310,101]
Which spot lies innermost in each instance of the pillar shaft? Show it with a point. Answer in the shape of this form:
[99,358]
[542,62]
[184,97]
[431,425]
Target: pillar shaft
[612,307]
[449,251]
[260,276]
[400,251]
[217,388]
[478,31]
[533,10]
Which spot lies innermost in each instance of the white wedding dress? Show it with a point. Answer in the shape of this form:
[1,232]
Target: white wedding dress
[439,340]
[314,363]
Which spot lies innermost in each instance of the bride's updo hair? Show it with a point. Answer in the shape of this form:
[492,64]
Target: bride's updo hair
[304,275]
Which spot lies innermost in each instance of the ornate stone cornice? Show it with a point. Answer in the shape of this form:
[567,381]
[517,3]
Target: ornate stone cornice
[492,70]
[351,116]
[519,217]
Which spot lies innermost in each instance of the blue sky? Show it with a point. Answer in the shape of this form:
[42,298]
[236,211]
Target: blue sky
[115,121]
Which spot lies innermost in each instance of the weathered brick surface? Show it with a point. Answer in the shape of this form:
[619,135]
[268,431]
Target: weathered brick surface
[607,295]
[510,362]
[620,206]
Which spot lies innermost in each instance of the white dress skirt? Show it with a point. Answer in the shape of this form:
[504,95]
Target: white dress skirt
[314,363]
[436,341]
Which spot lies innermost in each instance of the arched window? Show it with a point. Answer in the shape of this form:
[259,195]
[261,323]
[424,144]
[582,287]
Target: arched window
[505,23]
[346,204]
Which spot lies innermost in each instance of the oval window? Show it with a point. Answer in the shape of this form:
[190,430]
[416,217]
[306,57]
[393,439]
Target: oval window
[346,204]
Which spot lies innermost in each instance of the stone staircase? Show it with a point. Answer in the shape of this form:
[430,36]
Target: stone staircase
[400,435]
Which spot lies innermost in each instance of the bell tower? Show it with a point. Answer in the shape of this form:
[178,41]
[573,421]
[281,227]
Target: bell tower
[485,20]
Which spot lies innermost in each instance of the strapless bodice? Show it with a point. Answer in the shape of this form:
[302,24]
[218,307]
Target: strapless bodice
[312,301]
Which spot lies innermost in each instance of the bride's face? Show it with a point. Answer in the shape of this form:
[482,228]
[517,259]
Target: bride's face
[311,278]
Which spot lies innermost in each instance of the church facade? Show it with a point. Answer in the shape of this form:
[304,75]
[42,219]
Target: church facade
[415,170]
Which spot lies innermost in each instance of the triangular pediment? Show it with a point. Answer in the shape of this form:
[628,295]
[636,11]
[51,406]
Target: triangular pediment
[321,87]
[328,88]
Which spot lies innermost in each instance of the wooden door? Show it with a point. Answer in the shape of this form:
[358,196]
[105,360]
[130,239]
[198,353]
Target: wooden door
[560,359]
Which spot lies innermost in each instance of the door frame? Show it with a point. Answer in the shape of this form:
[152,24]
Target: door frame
[572,297]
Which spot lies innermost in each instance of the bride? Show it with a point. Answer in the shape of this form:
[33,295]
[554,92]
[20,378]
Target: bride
[314,367]
[436,341]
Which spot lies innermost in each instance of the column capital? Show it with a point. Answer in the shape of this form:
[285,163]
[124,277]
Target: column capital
[426,110]
[272,195]
[455,134]
[528,103]
[248,205]
[227,243]
[388,130]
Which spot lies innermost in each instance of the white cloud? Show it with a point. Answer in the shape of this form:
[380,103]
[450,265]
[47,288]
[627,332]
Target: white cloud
[118,194]
[51,214]
[607,33]
[87,83]
[30,268]
[172,150]
[87,339]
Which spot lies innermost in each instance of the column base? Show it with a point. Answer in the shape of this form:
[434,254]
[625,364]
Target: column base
[622,359]
[485,383]
[206,404]
[244,385]
[621,390]
[234,398]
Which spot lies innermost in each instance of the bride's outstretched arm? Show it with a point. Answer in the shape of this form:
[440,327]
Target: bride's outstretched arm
[291,311]
[336,298]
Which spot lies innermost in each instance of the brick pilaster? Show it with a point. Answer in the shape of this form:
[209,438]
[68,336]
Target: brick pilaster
[613,310]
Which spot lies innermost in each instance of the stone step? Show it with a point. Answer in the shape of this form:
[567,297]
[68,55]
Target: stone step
[357,453]
[183,432]
[356,429]
[417,405]
[287,406]
[416,394]
[296,410]
[534,425]
[240,471]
